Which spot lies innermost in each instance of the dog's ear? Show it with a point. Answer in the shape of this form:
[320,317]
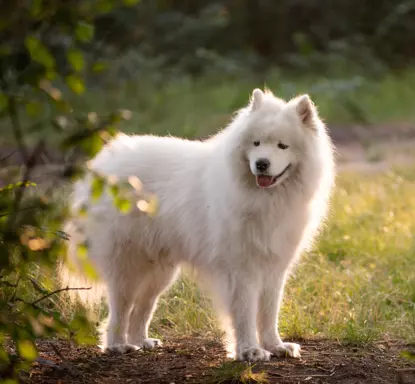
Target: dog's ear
[256,99]
[305,110]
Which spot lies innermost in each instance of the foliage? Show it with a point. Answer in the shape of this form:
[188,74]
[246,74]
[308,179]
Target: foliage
[194,36]
[42,68]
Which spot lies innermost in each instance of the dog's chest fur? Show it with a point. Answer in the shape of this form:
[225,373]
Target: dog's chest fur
[262,228]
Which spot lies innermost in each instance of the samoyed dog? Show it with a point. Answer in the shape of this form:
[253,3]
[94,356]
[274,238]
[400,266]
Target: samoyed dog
[239,208]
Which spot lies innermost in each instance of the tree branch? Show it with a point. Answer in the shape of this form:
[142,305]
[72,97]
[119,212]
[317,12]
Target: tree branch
[59,291]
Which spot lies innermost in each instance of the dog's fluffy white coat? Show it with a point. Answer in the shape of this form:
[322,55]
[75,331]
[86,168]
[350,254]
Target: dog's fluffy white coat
[241,238]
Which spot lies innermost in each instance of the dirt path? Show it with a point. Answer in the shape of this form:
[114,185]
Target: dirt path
[198,361]
[374,148]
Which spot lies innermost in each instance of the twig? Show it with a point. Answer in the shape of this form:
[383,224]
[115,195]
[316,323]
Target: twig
[4,158]
[8,284]
[37,286]
[59,291]
[50,363]
[66,365]
[58,352]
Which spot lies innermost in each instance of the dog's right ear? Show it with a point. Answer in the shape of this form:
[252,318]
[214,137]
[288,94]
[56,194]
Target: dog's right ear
[256,99]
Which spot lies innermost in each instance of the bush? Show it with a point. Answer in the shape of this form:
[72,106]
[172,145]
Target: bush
[42,67]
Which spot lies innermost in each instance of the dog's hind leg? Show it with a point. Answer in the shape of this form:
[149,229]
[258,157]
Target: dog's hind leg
[158,278]
[121,295]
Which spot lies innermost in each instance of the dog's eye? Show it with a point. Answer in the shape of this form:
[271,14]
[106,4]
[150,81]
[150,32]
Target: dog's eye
[282,146]
[256,143]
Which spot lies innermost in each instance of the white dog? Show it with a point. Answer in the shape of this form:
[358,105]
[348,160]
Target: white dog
[239,208]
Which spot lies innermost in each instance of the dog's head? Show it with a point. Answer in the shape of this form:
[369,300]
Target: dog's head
[274,136]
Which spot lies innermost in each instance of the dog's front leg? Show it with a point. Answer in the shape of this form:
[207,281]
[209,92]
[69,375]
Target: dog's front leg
[269,306]
[244,309]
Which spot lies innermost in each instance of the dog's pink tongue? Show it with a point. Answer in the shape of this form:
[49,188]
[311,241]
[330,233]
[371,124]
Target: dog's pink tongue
[264,181]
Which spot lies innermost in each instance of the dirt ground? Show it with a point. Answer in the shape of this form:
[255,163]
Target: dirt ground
[196,360]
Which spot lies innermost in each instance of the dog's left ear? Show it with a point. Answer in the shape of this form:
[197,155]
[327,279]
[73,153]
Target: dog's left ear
[256,99]
[306,110]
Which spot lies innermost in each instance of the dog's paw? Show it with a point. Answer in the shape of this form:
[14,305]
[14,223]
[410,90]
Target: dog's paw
[254,354]
[287,350]
[151,343]
[122,348]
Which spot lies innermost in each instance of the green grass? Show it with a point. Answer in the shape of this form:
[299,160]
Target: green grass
[237,373]
[357,285]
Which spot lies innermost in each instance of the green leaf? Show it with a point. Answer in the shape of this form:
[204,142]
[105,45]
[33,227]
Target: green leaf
[115,117]
[4,357]
[39,52]
[83,330]
[89,269]
[97,188]
[4,100]
[105,6]
[130,3]
[62,106]
[75,83]
[85,338]
[92,144]
[123,205]
[82,251]
[5,50]
[36,8]
[408,355]
[84,32]
[33,108]
[76,59]
[111,130]
[114,190]
[27,350]
[19,184]
[99,66]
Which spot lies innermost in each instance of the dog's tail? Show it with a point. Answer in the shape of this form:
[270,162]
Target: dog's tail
[76,273]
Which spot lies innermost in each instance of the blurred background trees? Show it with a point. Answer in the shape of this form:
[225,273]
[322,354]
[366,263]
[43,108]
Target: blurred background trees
[191,34]
[194,36]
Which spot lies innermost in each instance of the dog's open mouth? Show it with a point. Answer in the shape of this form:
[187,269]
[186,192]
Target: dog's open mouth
[265,181]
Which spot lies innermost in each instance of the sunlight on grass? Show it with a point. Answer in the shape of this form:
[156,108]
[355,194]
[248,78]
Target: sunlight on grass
[357,285]
[237,373]
[185,310]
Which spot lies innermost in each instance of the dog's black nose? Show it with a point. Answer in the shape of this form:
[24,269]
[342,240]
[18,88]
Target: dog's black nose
[262,164]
